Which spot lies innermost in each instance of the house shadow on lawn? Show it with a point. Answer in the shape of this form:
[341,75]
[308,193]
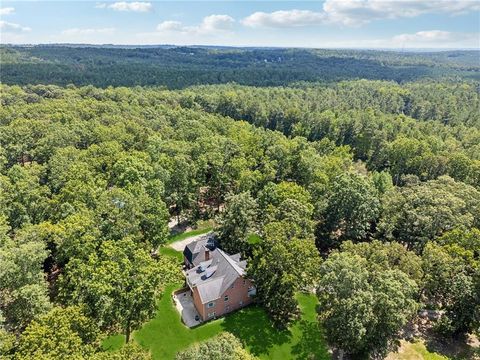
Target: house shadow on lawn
[255,329]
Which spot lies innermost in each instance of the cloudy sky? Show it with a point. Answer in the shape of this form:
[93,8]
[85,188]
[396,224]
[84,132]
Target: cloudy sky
[328,23]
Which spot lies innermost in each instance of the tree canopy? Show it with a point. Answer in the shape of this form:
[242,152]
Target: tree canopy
[359,182]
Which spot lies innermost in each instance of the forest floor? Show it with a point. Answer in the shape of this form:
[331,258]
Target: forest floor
[420,350]
[165,335]
[425,343]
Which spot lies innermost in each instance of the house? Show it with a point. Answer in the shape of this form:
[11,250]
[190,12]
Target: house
[217,280]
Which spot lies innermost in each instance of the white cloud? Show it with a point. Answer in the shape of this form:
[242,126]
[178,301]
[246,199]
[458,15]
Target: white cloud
[170,26]
[210,25]
[7,11]
[136,6]
[359,12]
[78,31]
[284,18]
[439,38]
[216,23]
[13,28]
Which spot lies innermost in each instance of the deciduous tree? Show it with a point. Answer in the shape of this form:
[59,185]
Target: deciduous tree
[236,222]
[118,285]
[281,266]
[363,309]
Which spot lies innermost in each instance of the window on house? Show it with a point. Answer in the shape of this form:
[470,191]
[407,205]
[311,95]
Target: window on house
[210,304]
[225,298]
[212,314]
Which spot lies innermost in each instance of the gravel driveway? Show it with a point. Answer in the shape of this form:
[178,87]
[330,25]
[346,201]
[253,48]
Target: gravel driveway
[180,245]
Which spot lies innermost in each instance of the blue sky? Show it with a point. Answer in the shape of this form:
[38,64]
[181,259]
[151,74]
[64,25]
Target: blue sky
[328,23]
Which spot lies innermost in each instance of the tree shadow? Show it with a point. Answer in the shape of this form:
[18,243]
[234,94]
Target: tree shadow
[253,327]
[312,344]
[455,348]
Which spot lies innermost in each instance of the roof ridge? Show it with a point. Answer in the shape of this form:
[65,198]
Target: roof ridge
[232,262]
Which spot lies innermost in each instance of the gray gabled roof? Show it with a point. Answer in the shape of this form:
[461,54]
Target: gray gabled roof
[195,251]
[221,273]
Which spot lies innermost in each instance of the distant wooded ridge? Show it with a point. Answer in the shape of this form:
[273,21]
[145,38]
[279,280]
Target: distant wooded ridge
[178,67]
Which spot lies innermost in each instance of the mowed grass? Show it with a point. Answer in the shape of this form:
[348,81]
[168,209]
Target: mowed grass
[113,342]
[187,234]
[165,335]
[168,251]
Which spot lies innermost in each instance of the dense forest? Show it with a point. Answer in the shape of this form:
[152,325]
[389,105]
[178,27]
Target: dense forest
[365,192]
[178,67]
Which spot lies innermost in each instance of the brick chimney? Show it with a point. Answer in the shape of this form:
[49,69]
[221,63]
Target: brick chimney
[207,253]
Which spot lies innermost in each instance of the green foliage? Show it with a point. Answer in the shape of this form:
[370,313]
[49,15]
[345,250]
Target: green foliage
[23,293]
[168,267]
[417,213]
[118,285]
[353,207]
[468,241]
[7,344]
[382,181]
[387,256]
[178,67]
[130,351]
[59,334]
[26,199]
[363,309]
[89,178]
[236,222]
[288,203]
[426,128]
[222,347]
[281,266]
[452,271]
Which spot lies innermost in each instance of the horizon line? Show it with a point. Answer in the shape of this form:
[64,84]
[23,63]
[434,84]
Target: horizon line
[244,46]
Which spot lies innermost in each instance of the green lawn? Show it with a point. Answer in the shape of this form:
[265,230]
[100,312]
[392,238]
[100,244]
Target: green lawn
[165,335]
[168,251]
[188,234]
[113,342]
